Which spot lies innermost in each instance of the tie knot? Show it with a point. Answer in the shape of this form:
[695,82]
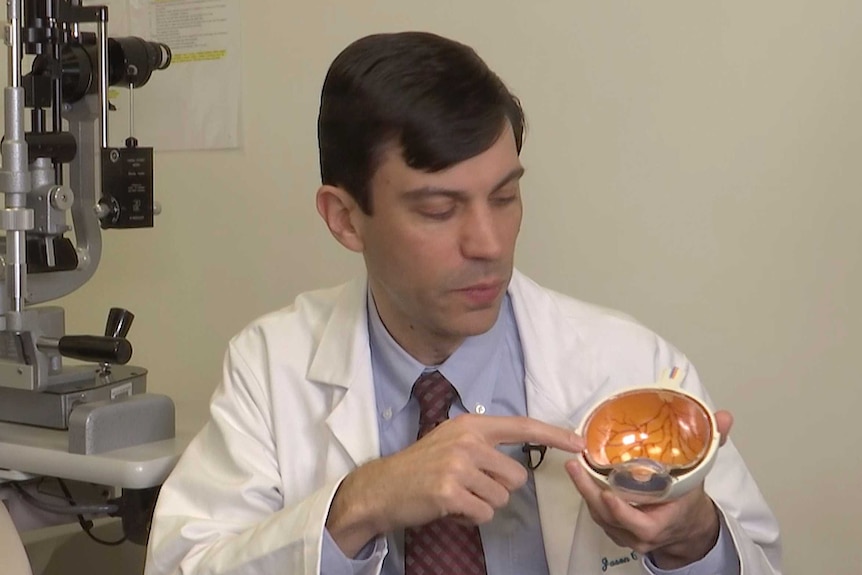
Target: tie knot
[435,395]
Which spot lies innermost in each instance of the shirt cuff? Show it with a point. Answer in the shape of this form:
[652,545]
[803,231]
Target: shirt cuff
[333,561]
[721,559]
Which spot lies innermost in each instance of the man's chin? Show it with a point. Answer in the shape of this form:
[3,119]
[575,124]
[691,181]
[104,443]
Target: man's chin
[480,321]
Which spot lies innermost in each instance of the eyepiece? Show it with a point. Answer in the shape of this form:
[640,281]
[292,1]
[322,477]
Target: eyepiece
[132,60]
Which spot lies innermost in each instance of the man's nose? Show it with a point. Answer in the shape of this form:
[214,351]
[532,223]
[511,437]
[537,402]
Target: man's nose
[481,235]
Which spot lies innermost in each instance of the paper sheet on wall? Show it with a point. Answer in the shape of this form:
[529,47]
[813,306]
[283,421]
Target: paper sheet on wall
[195,103]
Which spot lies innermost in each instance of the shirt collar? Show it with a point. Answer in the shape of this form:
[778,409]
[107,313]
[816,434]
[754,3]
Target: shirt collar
[472,368]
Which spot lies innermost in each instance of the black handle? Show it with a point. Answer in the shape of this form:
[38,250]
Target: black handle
[119,322]
[102,349]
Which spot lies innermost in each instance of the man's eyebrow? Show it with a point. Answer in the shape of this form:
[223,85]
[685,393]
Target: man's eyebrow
[512,176]
[418,193]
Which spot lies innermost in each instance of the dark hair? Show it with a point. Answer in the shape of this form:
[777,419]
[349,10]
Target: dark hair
[431,96]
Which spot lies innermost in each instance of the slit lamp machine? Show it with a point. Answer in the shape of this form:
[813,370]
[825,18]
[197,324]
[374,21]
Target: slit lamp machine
[89,420]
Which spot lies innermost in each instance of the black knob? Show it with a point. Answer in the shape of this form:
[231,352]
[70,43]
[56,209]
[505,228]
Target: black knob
[96,348]
[119,322]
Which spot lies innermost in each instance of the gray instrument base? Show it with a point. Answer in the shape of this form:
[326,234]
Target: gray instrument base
[81,384]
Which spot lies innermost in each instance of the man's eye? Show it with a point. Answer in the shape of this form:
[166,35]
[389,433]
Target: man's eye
[437,210]
[506,195]
[438,214]
[504,200]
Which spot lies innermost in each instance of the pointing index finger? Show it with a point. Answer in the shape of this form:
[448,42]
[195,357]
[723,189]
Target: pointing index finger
[517,429]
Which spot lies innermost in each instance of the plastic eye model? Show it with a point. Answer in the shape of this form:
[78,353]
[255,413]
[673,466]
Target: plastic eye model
[650,444]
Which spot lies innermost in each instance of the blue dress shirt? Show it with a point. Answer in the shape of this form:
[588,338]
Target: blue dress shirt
[487,371]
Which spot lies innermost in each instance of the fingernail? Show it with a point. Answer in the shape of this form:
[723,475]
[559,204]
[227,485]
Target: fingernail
[578,442]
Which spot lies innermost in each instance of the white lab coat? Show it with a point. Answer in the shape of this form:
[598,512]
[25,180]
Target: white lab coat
[296,412]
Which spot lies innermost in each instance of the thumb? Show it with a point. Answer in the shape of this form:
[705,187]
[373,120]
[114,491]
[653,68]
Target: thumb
[724,421]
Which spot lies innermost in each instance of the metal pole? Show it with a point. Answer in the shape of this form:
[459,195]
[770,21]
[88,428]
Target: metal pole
[15,218]
[103,76]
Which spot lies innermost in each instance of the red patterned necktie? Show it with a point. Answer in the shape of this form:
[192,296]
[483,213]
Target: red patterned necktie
[444,546]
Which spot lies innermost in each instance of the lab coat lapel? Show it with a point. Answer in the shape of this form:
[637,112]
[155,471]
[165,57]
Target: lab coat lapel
[557,498]
[558,371]
[343,360]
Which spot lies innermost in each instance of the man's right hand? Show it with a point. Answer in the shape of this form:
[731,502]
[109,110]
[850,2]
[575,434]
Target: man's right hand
[455,470]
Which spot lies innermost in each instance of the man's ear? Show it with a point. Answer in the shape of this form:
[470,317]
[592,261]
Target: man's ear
[339,211]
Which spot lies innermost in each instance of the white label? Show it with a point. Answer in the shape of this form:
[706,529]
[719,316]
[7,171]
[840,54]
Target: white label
[124,390]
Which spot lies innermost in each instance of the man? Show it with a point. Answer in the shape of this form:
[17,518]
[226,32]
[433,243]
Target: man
[311,462]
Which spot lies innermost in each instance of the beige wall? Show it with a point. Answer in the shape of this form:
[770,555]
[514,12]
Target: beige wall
[696,164]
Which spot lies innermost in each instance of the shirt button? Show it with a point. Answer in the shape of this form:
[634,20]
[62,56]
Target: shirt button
[387,413]
[480,409]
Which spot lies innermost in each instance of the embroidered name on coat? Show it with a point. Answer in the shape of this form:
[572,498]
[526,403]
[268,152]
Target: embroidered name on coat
[617,561]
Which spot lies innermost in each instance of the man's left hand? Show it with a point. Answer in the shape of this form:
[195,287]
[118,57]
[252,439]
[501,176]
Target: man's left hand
[675,533]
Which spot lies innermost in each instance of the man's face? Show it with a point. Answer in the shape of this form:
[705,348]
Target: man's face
[439,246]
